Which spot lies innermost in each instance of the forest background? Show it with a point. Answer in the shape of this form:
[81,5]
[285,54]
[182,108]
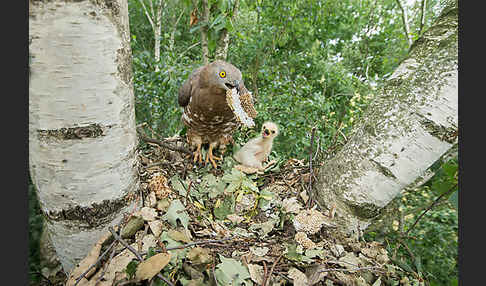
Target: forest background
[308,64]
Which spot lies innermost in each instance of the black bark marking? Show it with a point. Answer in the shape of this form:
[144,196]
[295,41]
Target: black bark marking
[94,215]
[73,133]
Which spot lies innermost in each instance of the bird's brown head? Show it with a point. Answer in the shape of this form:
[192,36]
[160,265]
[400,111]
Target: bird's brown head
[269,130]
[222,75]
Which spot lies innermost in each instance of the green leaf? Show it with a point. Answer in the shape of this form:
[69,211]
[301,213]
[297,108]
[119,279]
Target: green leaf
[292,253]
[150,252]
[231,272]
[176,183]
[453,199]
[418,264]
[131,268]
[176,212]
[265,197]
[226,207]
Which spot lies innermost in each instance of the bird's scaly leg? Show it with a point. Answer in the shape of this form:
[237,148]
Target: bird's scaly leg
[210,155]
[197,153]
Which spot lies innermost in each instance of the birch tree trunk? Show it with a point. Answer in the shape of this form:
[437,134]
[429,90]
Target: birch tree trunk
[409,126]
[82,138]
[204,31]
[406,25]
[223,42]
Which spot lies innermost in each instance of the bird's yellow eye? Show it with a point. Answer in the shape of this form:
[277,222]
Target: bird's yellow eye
[222,74]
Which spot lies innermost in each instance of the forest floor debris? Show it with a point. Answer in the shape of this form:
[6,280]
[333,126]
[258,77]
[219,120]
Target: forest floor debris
[224,227]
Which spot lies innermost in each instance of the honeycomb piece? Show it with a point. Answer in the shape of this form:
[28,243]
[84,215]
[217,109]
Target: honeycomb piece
[158,185]
[303,240]
[309,221]
[233,100]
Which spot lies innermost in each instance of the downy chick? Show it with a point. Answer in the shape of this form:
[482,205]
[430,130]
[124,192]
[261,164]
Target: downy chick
[257,150]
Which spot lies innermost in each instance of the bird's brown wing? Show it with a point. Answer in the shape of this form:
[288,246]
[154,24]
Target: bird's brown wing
[185,91]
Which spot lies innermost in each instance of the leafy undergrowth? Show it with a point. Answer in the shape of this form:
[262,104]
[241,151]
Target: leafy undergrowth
[205,226]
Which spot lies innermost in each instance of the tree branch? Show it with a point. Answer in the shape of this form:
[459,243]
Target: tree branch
[452,189]
[422,16]
[406,26]
[139,257]
[147,13]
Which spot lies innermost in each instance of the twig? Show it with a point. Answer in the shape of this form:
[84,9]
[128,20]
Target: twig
[264,273]
[106,265]
[311,194]
[335,280]
[352,269]
[163,144]
[139,257]
[187,50]
[94,264]
[271,269]
[194,243]
[430,207]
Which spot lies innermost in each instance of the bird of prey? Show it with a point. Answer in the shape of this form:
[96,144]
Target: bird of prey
[212,107]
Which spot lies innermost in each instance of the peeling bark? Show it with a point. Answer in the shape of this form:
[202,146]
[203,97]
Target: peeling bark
[409,126]
[82,138]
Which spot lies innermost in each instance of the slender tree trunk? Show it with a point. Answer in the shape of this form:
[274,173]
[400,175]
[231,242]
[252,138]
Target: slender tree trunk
[223,42]
[82,138]
[155,19]
[406,26]
[408,127]
[422,16]
[157,33]
[204,31]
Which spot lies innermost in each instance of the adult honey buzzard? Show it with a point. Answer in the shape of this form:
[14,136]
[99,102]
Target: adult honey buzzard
[209,112]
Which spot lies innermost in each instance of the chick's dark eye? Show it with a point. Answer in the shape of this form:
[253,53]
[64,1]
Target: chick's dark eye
[273,131]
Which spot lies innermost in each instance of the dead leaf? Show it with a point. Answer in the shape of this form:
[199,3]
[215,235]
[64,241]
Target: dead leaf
[259,251]
[133,225]
[178,236]
[236,219]
[148,240]
[151,200]
[193,18]
[150,267]
[156,227]
[314,274]
[256,273]
[304,196]
[291,205]
[199,255]
[148,214]
[88,261]
[299,278]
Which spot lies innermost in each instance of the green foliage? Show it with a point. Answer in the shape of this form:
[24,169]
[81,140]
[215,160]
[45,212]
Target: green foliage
[231,272]
[434,239]
[308,63]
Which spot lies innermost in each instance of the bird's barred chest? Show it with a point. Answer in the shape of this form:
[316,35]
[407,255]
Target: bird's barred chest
[207,124]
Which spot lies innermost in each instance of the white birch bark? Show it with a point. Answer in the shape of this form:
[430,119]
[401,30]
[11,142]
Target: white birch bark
[221,52]
[409,126]
[82,138]
[155,20]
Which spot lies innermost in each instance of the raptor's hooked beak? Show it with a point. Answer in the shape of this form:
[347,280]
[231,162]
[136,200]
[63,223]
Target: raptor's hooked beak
[235,83]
